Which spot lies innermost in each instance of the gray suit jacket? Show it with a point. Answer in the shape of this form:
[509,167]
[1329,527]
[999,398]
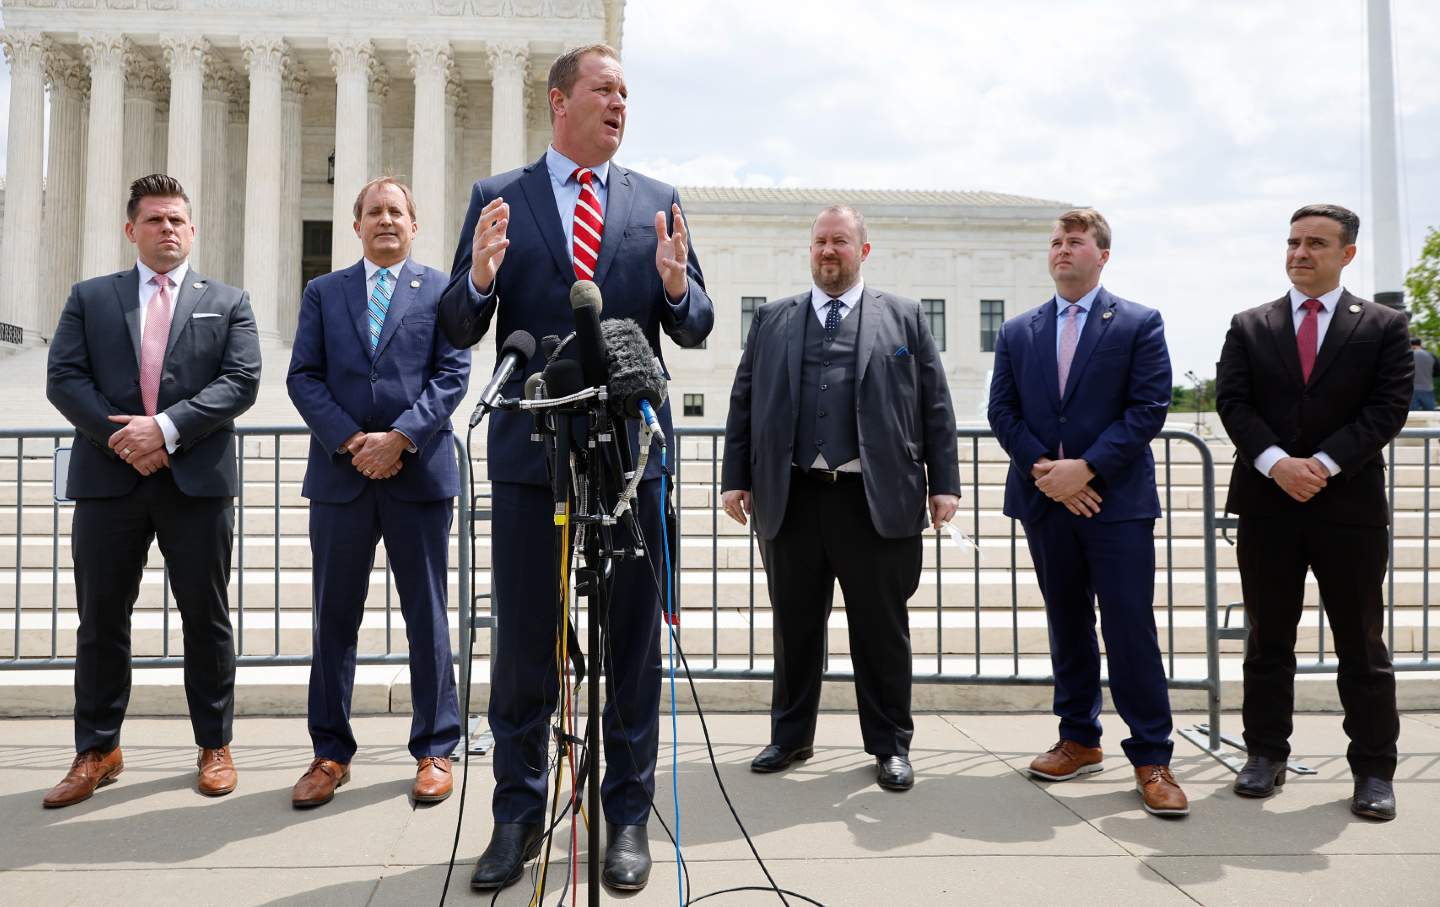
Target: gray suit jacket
[211,376]
[905,421]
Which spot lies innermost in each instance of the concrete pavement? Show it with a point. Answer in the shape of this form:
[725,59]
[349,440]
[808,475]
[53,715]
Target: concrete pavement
[974,830]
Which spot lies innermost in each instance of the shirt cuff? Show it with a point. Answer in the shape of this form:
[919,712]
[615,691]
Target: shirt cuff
[168,429]
[1329,464]
[475,294]
[1268,458]
[410,445]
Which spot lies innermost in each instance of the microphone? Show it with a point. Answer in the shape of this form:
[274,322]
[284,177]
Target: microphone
[534,390]
[517,350]
[637,383]
[562,378]
[585,305]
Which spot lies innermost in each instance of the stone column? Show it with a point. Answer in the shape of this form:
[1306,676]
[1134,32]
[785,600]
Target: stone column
[375,121]
[104,248]
[144,85]
[184,147]
[294,84]
[159,148]
[509,66]
[238,130]
[457,101]
[65,182]
[265,57]
[431,62]
[212,213]
[351,60]
[24,183]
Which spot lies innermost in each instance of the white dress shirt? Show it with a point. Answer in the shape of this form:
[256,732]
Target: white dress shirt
[147,292]
[820,304]
[1061,304]
[1274,453]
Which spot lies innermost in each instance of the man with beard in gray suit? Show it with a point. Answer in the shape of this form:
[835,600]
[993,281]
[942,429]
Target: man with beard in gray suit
[836,496]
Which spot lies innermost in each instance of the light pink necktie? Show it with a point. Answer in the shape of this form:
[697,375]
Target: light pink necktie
[1069,339]
[152,343]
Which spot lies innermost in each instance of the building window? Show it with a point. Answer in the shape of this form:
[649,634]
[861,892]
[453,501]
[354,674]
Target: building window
[695,405]
[992,315]
[748,305]
[935,320]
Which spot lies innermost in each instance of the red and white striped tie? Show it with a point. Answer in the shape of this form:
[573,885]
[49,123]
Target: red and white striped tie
[589,226]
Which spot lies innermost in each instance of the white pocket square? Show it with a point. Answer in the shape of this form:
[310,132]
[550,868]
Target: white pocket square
[206,315]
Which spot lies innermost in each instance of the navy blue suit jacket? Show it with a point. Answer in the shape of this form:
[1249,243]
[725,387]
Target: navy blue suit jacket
[1115,401]
[412,383]
[532,290]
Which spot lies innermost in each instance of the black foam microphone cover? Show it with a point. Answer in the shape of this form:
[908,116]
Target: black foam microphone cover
[635,372]
[563,377]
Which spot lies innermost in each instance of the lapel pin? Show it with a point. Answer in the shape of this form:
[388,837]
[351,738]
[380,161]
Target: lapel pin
[1354,309]
[198,285]
[1107,316]
[414,284]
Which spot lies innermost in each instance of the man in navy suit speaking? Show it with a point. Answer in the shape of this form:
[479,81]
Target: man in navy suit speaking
[376,382]
[529,234]
[1080,389]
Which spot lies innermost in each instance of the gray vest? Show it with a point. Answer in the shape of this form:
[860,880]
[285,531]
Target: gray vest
[827,422]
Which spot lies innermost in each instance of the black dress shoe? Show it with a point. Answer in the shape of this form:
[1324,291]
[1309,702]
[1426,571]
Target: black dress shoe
[894,772]
[775,758]
[627,857]
[1374,799]
[503,862]
[1260,776]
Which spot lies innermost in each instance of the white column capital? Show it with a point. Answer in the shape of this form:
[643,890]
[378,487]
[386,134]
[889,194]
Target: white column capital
[66,75]
[218,78]
[264,54]
[144,78]
[185,53]
[104,51]
[430,58]
[379,79]
[457,98]
[24,47]
[508,60]
[294,79]
[350,57]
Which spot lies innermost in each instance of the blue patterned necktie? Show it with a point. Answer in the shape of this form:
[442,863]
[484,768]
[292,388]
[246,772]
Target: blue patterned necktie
[832,319]
[379,305]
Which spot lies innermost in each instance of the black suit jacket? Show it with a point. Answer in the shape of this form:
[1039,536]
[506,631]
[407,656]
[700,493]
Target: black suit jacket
[906,424]
[211,376]
[1355,402]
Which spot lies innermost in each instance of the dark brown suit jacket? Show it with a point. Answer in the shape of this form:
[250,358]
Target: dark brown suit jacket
[1355,402]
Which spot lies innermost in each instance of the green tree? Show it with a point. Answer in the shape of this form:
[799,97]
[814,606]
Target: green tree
[1422,286]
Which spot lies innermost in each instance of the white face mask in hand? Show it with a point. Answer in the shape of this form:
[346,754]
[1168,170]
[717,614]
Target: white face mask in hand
[958,538]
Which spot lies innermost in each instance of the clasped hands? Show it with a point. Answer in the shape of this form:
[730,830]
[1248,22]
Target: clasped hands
[487,249]
[1067,482]
[376,454]
[1300,477]
[140,442]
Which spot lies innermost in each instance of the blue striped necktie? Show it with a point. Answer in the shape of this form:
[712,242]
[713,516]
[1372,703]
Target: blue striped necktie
[379,305]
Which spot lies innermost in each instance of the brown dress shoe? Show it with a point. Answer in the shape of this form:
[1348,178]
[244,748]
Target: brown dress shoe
[217,771]
[1066,759]
[91,769]
[317,786]
[1159,793]
[432,780]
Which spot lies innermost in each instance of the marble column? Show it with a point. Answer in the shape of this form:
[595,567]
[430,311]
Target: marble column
[212,213]
[431,63]
[375,122]
[238,131]
[265,57]
[105,248]
[65,182]
[144,84]
[24,181]
[294,85]
[457,102]
[509,65]
[160,146]
[351,61]
[184,147]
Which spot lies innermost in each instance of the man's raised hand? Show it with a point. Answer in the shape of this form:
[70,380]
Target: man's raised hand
[487,249]
[672,251]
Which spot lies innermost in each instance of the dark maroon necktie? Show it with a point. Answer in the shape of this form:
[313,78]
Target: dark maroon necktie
[1308,337]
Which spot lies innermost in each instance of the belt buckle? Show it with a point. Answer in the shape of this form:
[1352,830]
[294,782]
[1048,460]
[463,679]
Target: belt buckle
[828,476]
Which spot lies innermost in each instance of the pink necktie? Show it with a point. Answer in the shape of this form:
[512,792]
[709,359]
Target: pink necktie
[152,343]
[1308,337]
[1069,339]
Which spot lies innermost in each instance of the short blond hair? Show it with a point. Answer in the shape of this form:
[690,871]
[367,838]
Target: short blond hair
[384,181]
[1087,220]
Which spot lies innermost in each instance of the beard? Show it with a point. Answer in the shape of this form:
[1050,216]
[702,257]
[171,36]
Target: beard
[836,281]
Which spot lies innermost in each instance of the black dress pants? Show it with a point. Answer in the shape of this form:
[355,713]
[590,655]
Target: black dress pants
[1274,554]
[110,538]
[827,535]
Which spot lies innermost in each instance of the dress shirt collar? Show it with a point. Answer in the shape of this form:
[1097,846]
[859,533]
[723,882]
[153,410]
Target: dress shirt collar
[819,299]
[561,167]
[371,268]
[176,275]
[1084,302]
[1328,301]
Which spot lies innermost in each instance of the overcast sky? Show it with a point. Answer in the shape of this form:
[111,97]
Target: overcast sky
[1196,127]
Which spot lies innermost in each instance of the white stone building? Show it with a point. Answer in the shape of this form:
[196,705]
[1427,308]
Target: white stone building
[273,113]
